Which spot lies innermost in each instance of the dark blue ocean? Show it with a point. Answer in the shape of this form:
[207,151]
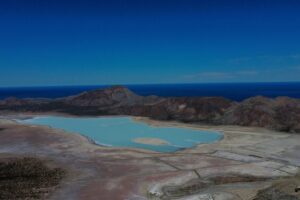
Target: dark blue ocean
[234,91]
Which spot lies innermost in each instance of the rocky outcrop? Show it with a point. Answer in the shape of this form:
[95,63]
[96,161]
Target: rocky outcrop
[281,113]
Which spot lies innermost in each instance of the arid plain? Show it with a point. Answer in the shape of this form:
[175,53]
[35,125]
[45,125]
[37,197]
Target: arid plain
[247,163]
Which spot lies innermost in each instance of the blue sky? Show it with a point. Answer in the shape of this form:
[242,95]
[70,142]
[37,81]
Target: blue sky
[90,42]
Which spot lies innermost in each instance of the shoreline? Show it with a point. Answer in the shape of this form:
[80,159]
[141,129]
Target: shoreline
[144,120]
[221,129]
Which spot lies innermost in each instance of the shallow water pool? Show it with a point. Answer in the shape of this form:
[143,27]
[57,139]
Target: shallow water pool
[126,132]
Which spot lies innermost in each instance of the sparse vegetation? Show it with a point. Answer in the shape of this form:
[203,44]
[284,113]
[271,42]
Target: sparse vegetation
[272,193]
[27,178]
[218,180]
[196,185]
[283,189]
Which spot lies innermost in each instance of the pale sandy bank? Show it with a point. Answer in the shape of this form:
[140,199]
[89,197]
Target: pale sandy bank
[151,141]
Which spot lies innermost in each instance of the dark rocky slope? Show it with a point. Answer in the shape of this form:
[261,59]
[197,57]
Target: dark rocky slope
[281,113]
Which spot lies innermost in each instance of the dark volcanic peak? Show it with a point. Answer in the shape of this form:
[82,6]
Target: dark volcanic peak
[114,96]
[102,97]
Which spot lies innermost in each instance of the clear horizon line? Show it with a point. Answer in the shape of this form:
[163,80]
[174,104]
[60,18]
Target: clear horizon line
[133,84]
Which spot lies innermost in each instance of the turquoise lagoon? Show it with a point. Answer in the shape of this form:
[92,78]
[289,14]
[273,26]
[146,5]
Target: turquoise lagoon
[122,131]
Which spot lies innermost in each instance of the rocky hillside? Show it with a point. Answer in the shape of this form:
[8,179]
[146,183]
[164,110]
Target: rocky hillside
[281,113]
[205,109]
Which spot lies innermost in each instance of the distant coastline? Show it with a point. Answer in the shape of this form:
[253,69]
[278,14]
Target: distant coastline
[281,113]
[233,91]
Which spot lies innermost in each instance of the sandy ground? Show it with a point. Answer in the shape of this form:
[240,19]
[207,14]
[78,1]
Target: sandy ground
[151,141]
[106,173]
